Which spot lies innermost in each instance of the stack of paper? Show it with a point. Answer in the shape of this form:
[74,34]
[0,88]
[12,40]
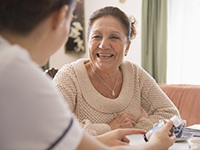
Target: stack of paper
[194,129]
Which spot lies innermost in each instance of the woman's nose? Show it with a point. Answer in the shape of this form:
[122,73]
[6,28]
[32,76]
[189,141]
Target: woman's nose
[104,44]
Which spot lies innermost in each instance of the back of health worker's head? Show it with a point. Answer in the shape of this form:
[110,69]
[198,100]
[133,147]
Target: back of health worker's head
[22,16]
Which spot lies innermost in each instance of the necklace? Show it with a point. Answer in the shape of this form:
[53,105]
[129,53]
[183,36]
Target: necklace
[113,90]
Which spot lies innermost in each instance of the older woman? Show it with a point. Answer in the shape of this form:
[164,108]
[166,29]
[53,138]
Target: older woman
[105,92]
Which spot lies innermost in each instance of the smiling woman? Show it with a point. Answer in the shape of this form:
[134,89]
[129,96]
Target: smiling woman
[104,91]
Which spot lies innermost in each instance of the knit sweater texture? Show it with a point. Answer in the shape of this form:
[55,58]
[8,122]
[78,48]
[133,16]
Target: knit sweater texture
[94,111]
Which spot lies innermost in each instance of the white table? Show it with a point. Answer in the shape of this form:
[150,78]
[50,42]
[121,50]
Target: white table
[136,139]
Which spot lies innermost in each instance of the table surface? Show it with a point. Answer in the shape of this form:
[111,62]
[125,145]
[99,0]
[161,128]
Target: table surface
[136,139]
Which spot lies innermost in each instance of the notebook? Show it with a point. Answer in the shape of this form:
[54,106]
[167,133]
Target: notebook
[194,129]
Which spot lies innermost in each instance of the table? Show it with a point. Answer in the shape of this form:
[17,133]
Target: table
[136,139]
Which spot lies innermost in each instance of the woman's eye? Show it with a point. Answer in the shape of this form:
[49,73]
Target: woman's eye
[114,37]
[96,36]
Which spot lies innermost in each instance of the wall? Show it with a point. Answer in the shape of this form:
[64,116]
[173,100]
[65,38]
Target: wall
[130,7]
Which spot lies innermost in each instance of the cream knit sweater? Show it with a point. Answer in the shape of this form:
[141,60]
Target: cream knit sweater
[94,111]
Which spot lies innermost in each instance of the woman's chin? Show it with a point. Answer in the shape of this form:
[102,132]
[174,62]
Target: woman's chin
[43,62]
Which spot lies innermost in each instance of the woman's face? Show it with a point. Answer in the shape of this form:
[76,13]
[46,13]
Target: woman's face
[107,43]
[59,36]
[65,29]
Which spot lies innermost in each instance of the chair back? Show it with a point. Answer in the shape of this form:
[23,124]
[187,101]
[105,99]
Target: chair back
[51,72]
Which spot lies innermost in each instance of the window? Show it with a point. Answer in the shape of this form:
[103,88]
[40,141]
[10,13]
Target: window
[183,58]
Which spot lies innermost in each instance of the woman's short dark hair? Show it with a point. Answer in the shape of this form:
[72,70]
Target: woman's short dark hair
[22,16]
[128,23]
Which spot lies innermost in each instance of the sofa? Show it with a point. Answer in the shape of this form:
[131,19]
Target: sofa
[187,99]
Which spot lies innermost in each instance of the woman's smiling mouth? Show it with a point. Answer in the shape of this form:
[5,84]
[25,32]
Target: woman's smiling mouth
[104,55]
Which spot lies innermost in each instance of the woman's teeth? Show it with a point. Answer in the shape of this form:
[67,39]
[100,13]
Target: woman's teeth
[104,55]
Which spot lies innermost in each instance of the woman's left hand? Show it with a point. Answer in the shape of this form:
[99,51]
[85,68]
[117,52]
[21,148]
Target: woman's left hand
[123,120]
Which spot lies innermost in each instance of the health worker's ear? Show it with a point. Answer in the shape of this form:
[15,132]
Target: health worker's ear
[59,17]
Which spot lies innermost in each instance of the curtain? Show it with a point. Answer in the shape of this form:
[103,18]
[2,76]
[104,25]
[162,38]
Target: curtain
[183,42]
[154,38]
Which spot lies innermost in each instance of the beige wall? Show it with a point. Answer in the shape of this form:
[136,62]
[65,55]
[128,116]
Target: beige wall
[131,7]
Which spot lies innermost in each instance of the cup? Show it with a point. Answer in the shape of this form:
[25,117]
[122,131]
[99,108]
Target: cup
[194,143]
[178,131]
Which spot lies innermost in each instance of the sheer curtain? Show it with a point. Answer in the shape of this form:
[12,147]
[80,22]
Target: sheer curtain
[183,53]
[154,38]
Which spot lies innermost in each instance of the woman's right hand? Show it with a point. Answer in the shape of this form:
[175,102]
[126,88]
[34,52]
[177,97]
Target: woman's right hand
[123,120]
[160,139]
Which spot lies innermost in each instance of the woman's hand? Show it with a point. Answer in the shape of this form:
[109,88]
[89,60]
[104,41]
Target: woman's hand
[161,139]
[123,120]
[118,136]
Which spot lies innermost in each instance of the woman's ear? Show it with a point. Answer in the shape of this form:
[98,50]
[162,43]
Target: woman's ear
[127,49]
[60,17]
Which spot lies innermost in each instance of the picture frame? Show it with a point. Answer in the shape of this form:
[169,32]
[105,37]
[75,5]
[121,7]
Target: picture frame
[76,42]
